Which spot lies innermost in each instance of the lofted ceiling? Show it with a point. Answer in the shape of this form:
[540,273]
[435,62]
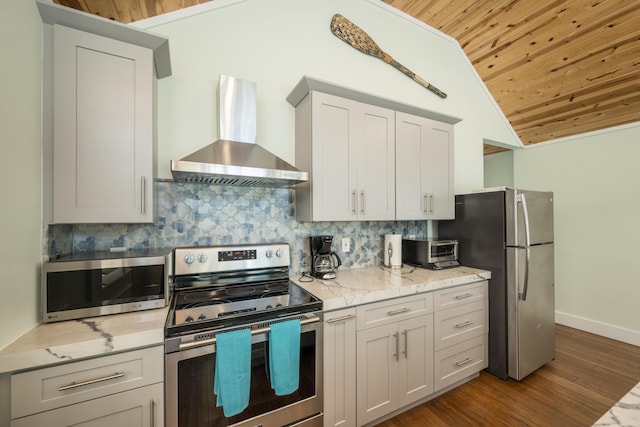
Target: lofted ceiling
[556,68]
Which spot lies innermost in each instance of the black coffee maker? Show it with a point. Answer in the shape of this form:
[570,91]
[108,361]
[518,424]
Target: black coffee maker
[323,260]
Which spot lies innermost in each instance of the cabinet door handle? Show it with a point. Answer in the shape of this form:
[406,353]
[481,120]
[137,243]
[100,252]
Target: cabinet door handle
[397,353]
[464,296]
[430,203]
[362,202]
[341,319]
[152,410]
[465,361]
[463,324]
[354,206]
[143,195]
[406,341]
[425,203]
[395,312]
[89,382]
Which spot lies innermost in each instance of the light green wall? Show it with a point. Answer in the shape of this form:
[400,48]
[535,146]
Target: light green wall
[276,42]
[272,42]
[595,180]
[20,174]
[498,170]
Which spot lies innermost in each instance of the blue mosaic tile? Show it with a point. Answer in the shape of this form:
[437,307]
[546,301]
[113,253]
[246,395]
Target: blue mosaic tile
[204,215]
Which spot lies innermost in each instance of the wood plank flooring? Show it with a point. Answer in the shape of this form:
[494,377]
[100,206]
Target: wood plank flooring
[588,376]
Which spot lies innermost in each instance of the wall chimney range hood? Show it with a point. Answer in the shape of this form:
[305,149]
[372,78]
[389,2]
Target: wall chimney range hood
[235,158]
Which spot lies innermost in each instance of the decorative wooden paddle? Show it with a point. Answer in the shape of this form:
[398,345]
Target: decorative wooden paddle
[350,33]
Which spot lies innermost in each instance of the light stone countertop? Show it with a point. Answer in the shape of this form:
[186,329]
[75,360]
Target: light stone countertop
[364,285]
[624,413]
[52,343]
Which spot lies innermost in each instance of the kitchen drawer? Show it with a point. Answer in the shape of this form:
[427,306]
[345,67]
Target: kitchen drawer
[390,311]
[459,295]
[49,388]
[460,323]
[141,407]
[459,361]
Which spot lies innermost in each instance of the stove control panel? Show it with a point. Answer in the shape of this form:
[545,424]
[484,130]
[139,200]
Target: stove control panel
[210,259]
[238,255]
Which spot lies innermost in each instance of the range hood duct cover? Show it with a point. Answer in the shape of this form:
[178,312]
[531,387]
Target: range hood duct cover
[236,159]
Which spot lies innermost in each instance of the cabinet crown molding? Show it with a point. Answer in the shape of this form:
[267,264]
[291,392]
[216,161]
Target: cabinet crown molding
[309,83]
[53,14]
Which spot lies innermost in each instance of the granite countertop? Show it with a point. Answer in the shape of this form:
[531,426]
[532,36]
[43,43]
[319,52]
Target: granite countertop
[52,343]
[364,285]
[624,413]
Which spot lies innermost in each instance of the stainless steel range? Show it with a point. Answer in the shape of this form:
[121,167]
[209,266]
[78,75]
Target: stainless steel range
[223,288]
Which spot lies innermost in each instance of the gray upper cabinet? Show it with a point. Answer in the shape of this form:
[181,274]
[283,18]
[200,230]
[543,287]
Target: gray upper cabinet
[348,148]
[99,119]
[370,158]
[103,156]
[424,168]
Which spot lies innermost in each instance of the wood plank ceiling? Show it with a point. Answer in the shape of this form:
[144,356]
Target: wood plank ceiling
[556,68]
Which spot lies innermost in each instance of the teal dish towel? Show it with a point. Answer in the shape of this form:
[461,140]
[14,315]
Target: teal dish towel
[284,356]
[232,378]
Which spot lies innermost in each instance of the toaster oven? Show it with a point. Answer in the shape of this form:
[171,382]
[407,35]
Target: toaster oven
[430,253]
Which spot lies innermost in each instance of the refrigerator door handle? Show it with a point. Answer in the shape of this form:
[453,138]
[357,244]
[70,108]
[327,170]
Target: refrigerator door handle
[527,237]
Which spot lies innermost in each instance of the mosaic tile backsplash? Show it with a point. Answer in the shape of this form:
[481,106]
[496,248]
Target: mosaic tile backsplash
[202,215]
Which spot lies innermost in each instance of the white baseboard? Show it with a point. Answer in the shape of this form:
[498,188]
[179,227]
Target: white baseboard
[609,331]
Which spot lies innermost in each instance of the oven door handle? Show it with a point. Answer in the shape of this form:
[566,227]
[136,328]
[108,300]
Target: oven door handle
[258,331]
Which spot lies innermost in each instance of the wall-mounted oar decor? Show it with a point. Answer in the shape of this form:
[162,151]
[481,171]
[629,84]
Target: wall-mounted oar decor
[350,33]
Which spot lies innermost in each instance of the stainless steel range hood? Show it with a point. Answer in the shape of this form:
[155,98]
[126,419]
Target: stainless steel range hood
[236,159]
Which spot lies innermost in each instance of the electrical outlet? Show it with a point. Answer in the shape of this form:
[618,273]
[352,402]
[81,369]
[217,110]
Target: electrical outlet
[346,244]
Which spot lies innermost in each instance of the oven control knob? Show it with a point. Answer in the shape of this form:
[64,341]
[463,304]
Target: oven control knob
[278,253]
[202,258]
[188,319]
[189,259]
[269,253]
[202,317]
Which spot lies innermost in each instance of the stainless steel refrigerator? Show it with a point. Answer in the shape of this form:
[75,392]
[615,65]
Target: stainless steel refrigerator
[510,233]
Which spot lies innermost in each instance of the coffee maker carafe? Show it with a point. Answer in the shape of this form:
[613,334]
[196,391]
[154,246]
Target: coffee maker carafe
[324,261]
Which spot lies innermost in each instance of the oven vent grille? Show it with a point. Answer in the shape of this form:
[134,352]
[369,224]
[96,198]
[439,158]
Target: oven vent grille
[266,325]
[256,328]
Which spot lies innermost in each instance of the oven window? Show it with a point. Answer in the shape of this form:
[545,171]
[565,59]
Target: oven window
[443,250]
[70,290]
[197,402]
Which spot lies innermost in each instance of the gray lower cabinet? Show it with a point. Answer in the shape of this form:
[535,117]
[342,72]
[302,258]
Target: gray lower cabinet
[461,325]
[339,378]
[125,389]
[394,365]
[385,356]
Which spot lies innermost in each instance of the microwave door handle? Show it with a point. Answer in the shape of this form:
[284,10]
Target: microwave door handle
[527,237]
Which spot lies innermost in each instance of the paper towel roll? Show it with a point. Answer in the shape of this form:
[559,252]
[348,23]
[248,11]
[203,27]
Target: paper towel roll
[393,250]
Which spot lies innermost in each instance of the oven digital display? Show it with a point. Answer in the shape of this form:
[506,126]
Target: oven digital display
[239,255]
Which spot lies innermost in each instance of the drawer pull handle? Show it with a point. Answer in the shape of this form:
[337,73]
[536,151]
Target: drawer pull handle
[89,382]
[463,324]
[397,353]
[401,311]
[465,361]
[341,319]
[464,296]
[152,415]
[406,344]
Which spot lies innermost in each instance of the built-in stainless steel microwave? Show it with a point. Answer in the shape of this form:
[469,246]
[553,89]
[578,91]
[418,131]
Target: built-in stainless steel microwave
[104,283]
